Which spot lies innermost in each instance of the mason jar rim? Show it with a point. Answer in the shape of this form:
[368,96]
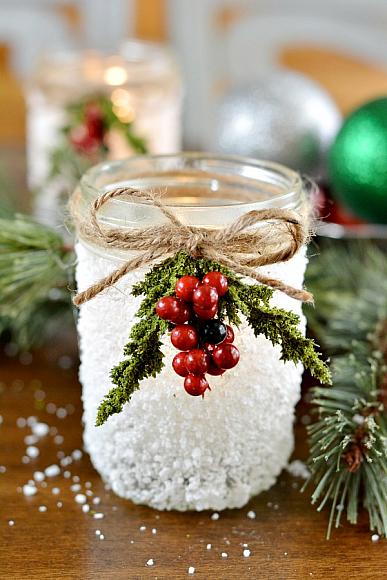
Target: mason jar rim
[142,61]
[283,177]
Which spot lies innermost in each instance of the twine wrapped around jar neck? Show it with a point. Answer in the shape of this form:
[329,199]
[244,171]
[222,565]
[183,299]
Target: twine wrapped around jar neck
[238,246]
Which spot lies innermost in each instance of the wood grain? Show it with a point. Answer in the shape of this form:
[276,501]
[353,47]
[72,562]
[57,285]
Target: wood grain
[286,539]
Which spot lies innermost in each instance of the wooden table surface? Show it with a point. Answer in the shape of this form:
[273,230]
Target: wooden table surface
[286,538]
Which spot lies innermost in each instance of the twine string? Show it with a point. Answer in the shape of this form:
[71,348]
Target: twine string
[239,246]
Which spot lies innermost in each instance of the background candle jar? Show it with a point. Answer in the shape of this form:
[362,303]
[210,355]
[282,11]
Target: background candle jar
[85,107]
[167,449]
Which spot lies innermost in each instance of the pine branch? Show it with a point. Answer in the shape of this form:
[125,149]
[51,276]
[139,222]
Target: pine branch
[35,271]
[348,443]
[145,358]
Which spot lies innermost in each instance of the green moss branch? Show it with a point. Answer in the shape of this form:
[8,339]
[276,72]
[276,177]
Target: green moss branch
[145,358]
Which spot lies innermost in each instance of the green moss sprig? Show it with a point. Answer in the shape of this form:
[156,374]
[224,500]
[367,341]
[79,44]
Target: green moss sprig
[145,358]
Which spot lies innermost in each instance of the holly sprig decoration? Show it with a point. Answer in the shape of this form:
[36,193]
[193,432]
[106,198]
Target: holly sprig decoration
[84,137]
[143,351]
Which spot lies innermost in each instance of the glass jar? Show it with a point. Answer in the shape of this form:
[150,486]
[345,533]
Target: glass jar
[166,449]
[144,86]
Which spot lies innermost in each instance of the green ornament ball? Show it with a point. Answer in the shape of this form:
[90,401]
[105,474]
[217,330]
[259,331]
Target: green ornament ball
[357,162]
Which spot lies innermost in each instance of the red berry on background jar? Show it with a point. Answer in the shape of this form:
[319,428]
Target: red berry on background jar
[218,281]
[206,314]
[172,309]
[226,356]
[205,297]
[184,337]
[82,141]
[178,364]
[197,361]
[230,334]
[185,287]
[94,121]
[196,385]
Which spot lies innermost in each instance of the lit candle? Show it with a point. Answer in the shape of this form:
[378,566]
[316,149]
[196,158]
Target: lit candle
[141,96]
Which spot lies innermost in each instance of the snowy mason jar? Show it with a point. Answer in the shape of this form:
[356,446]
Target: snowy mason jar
[141,86]
[166,449]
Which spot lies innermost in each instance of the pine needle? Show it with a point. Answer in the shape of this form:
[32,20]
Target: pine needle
[350,286]
[36,270]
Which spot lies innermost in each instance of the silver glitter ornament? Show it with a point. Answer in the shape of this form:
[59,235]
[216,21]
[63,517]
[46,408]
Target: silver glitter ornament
[284,117]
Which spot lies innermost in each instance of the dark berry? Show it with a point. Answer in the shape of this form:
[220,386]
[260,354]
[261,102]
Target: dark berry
[178,364]
[197,361]
[172,309]
[196,385]
[184,337]
[226,356]
[206,314]
[230,334]
[205,297]
[185,287]
[218,281]
[213,331]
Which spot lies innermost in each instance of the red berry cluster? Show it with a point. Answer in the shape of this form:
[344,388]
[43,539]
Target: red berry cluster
[87,138]
[205,342]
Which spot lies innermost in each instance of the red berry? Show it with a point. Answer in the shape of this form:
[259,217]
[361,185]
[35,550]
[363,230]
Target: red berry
[196,385]
[206,314]
[172,309]
[82,141]
[178,364]
[184,337]
[226,356]
[205,297]
[230,334]
[184,314]
[214,370]
[94,121]
[218,281]
[185,287]
[197,361]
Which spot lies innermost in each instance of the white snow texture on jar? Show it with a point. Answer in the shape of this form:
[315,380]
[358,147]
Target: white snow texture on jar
[144,85]
[166,449]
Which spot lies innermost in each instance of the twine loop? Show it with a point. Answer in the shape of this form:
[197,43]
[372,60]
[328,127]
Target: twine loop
[256,238]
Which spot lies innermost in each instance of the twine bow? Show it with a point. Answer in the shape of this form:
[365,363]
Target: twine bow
[238,246]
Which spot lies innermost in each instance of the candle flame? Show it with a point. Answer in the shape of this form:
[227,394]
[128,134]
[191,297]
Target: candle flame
[115,75]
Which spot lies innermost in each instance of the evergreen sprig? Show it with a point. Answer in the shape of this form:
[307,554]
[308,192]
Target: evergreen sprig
[145,358]
[348,443]
[36,269]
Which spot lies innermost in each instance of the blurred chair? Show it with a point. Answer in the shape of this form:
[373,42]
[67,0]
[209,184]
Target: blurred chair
[222,43]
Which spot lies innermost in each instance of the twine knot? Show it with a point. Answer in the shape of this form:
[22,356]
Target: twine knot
[256,238]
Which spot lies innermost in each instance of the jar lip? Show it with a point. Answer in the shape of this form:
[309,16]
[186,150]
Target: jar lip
[292,180]
[142,60]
